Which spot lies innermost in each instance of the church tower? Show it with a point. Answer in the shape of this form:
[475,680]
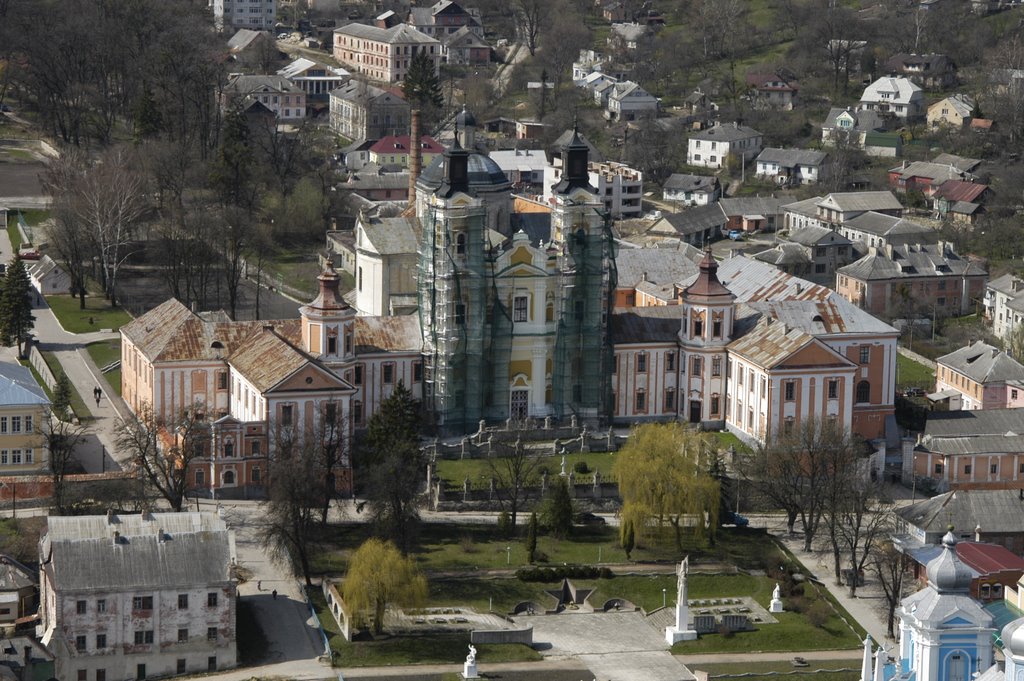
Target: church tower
[706,329]
[581,236]
[328,324]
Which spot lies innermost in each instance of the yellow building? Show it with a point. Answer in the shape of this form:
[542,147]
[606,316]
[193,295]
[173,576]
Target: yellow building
[23,408]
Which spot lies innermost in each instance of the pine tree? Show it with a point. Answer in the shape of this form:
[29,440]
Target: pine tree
[62,397]
[146,116]
[558,509]
[422,87]
[531,538]
[16,306]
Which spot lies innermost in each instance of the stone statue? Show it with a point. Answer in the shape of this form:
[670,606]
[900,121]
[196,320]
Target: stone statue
[684,569]
[777,593]
[563,465]
[776,604]
[681,630]
[471,658]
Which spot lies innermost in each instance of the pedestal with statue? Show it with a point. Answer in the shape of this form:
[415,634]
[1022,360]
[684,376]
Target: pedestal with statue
[469,668]
[776,604]
[681,631]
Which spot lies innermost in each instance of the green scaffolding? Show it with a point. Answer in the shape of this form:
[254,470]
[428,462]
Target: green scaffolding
[581,373]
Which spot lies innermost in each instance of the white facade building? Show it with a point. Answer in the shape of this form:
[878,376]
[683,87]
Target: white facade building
[1004,304]
[899,97]
[132,597]
[231,15]
[711,148]
[620,187]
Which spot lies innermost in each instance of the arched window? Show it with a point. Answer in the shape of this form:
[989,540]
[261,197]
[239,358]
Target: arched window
[863,392]
[460,243]
[229,477]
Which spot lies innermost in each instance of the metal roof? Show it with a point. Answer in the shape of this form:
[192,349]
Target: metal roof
[693,183]
[402,33]
[658,323]
[861,201]
[392,236]
[792,157]
[983,363]
[880,224]
[909,261]
[657,265]
[400,333]
[729,132]
[19,387]
[996,511]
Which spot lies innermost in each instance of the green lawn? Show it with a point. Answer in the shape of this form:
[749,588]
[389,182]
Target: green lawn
[479,470]
[32,218]
[911,374]
[432,649]
[77,403]
[98,314]
[813,666]
[103,353]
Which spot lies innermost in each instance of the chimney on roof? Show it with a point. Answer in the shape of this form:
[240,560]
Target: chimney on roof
[977,533]
[117,537]
[269,328]
[160,536]
[736,124]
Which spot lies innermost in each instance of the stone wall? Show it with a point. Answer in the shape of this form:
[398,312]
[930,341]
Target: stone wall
[524,636]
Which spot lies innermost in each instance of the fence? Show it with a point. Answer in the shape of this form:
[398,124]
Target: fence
[35,358]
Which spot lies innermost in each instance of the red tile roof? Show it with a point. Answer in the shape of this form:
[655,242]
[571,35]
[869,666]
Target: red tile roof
[400,144]
[989,558]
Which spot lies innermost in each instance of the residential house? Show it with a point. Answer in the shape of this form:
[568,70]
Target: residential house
[979,376]
[602,89]
[627,37]
[955,111]
[387,252]
[363,112]
[978,449]
[963,163]
[772,91]
[383,54]
[231,15]
[895,98]
[801,214]
[811,252]
[48,277]
[614,12]
[995,516]
[881,230]
[712,147]
[315,79]
[994,570]
[697,226]
[924,176]
[619,187]
[19,592]
[1004,304]
[861,129]
[838,207]
[524,167]
[376,183]
[786,167]
[691,190]
[752,213]
[466,48]
[24,407]
[394,150]
[960,200]
[929,71]
[698,102]
[654,276]
[445,18]
[138,596]
[912,279]
[286,101]
[527,129]
[594,62]
[627,101]
[252,47]
[595,79]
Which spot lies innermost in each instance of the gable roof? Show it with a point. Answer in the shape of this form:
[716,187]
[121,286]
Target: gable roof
[771,342]
[807,207]
[399,333]
[691,220]
[964,163]
[657,265]
[267,358]
[861,201]
[362,92]
[792,157]
[784,254]
[693,183]
[897,90]
[19,387]
[863,121]
[246,84]
[997,511]
[659,323]
[983,363]
[915,260]
[936,172]
[812,235]
[962,104]
[751,205]
[725,133]
[400,33]
[301,65]
[882,225]
[960,190]
[771,82]
[399,144]
[196,549]
[244,37]
[392,236]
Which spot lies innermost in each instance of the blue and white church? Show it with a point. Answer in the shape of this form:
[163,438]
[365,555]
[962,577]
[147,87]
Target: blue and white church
[944,634]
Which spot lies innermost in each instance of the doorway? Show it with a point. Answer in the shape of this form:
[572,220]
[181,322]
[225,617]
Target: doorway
[695,411]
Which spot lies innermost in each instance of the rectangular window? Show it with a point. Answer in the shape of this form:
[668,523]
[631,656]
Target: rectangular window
[28,423]
[764,388]
[80,607]
[182,601]
[83,675]
[790,387]
[865,354]
[256,448]
[358,380]
[3,424]
[357,411]
[716,328]
[714,405]
[641,400]
[101,675]
[182,635]
[211,633]
[286,415]
[80,644]
[142,603]
[697,367]
[222,380]
[833,388]
[182,664]
[520,309]
[641,363]
[143,637]
[332,345]
[670,399]
[993,468]
[15,456]
[15,424]
[388,373]
[670,363]
[101,641]
[460,313]
[716,366]
[229,449]
[211,599]
[967,469]
[101,605]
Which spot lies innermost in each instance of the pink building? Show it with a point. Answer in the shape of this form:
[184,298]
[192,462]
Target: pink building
[978,376]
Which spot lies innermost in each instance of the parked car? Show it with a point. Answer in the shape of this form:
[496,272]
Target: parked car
[736,235]
[732,518]
[589,519]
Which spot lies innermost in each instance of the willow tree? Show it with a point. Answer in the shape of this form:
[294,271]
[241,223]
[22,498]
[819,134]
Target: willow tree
[378,576]
[662,473]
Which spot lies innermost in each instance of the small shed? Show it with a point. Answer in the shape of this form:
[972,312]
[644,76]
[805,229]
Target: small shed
[48,277]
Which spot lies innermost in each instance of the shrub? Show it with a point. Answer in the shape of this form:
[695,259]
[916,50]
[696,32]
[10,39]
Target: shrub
[558,573]
[466,544]
[797,604]
[504,524]
[581,467]
[818,614]
[725,631]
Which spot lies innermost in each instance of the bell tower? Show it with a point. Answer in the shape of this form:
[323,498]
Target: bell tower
[328,326]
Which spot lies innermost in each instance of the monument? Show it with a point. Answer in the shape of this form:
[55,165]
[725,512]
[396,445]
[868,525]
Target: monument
[469,668]
[682,630]
[776,604]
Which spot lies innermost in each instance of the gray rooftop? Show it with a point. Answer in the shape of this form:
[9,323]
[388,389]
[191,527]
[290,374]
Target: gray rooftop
[807,207]
[974,422]
[908,262]
[392,236]
[657,265]
[863,120]
[658,323]
[880,224]
[19,387]
[788,158]
[194,549]
[861,201]
[996,511]
[402,33]
[692,220]
[729,132]
[983,363]
[752,205]
[812,235]
[784,254]
[250,85]
[693,183]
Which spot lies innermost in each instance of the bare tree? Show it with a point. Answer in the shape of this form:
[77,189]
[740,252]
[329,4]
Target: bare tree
[890,566]
[514,468]
[533,15]
[61,436]
[163,450]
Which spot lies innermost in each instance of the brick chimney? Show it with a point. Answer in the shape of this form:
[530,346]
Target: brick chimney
[415,155]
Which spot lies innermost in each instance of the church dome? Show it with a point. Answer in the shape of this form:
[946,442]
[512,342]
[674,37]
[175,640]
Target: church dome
[465,118]
[1013,638]
[946,572]
[484,174]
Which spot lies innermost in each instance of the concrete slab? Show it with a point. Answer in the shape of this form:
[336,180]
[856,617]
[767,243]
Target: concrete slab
[642,666]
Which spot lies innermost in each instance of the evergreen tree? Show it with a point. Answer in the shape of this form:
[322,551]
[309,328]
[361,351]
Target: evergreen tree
[62,397]
[422,87]
[531,538]
[146,116]
[394,466]
[627,537]
[558,509]
[16,306]
[232,173]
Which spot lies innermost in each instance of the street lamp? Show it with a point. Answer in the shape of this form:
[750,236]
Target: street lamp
[508,555]
[663,597]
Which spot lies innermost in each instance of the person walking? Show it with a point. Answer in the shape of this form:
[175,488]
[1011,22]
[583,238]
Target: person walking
[274,594]
[97,393]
